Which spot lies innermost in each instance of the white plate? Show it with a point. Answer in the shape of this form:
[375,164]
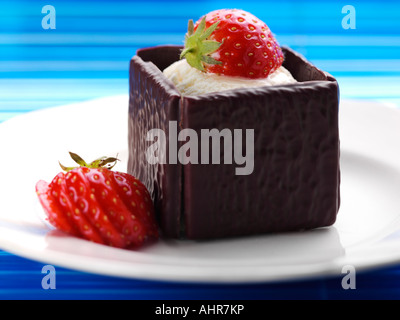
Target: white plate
[366,234]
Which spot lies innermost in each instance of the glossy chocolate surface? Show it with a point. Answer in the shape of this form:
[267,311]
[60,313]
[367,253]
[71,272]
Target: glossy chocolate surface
[295,184]
[152,104]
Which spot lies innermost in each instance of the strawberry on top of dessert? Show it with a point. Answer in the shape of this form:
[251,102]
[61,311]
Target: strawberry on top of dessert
[232,47]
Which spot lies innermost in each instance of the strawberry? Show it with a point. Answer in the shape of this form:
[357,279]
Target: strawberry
[232,42]
[97,204]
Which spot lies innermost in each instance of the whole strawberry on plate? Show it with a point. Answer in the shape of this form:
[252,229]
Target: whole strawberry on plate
[92,202]
[232,42]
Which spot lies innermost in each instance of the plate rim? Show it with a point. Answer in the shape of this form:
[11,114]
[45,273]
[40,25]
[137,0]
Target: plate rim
[306,271]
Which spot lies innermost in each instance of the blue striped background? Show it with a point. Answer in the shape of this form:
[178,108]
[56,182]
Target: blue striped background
[87,56]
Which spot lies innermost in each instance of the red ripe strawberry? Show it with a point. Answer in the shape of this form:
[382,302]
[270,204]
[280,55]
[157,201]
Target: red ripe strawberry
[97,204]
[233,43]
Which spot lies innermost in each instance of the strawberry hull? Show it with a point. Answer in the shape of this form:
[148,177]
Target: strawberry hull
[295,180]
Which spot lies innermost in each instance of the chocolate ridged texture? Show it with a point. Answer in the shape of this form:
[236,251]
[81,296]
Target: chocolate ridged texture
[295,184]
[153,102]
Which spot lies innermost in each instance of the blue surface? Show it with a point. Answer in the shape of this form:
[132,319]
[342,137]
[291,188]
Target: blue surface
[87,57]
[21,279]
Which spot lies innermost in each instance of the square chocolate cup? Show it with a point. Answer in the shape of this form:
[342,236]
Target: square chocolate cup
[295,184]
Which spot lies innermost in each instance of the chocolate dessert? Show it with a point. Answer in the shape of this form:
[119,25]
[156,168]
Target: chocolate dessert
[238,137]
[295,181]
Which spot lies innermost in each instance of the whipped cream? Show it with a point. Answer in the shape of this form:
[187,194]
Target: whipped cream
[190,81]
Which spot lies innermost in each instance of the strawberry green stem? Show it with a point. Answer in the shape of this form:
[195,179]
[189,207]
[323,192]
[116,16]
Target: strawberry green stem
[103,162]
[198,48]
